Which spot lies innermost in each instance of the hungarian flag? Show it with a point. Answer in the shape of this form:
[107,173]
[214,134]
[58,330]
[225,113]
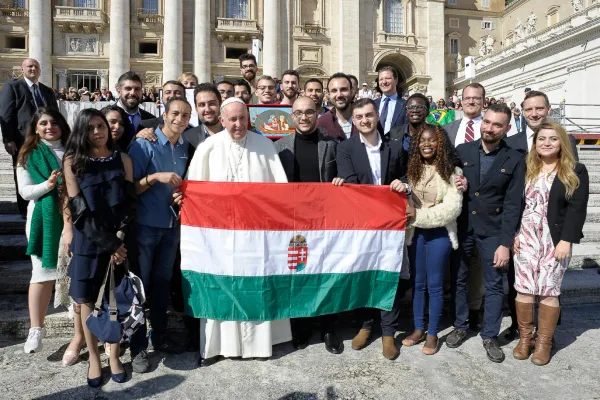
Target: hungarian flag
[440,117]
[268,251]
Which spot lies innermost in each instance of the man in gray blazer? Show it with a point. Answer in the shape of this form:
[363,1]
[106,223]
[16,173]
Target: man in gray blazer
[308,155]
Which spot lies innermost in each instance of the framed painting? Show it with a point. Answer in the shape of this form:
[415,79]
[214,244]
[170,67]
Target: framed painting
[271,120]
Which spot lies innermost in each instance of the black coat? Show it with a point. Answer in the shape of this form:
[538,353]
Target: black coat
[353,161]
[17,108]
[567,216]
[519,143]
[492,207]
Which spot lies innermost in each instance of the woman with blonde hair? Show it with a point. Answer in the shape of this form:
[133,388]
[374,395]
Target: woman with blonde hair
[189,80]
[556,196]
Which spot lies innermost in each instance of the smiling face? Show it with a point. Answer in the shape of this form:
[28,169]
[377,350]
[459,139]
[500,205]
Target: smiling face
[314,90]
[547,144]
[248,70]
[207,108]
[290,86]
[178,116]
[494,126]
[31,69]
[535,111]
[171,91]
[365,119]
[226,90]
[472,101]
[339,93]
[265,90]
[115,124]
[416,111]
[387,83]
[428,143]
[130,94]
[234,118]
[97,132]
[190,82]
[48,129]
[304,113]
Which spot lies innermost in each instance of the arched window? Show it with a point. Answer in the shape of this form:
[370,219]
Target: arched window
[238,9]
[393,17]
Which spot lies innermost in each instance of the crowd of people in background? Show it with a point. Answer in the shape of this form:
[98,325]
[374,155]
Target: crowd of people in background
[491,204]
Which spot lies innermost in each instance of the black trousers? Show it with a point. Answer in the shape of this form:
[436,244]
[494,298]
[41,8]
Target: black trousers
[306,326]
[21,202]
[389,319]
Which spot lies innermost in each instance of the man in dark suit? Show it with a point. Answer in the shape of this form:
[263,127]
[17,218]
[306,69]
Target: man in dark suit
[391,106]
[372,159]
[309,156]
[129,88]
[494,176]
[468,128]
[337,122]
[19,100]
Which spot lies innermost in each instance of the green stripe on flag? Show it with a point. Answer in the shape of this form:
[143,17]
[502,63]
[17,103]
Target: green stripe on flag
[440,117]
[268,298]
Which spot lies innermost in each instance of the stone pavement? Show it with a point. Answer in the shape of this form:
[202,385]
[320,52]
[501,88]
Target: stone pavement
[463,373]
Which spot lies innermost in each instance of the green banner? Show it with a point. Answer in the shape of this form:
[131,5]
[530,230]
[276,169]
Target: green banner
[440,117]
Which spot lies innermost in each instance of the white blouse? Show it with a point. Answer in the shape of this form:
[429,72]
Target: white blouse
[27,188]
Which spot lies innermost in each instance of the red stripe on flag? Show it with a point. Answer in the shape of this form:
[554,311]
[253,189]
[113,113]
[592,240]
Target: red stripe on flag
[291,206]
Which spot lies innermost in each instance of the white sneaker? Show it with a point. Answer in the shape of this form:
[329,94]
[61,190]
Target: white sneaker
[34,340]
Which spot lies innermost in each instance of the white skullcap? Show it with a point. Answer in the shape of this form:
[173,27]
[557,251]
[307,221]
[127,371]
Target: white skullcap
[232,100]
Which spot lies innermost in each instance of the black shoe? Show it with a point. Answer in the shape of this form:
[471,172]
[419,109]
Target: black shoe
[94,382]
[511,333]
[332,343]
[474,320]
[207,362]
[120,377]
[140,362]
[493,350]
[166,345]
[300,340]
[456,338]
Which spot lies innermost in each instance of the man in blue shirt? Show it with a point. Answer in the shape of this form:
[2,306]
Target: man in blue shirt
[158,170]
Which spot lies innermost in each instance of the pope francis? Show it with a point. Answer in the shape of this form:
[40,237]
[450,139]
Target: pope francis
[236,155]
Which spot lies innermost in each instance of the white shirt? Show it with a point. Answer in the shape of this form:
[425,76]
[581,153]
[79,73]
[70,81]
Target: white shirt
[530,133]
[374,155]
[390,112]
[346,127]
[365,94]
[462,129]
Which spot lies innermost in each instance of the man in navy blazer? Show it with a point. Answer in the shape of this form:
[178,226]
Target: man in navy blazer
[373,159]
[391,106]
[19,100]
[495,181]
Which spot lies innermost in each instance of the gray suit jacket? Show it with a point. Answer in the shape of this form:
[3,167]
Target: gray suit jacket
[327,148]
[452,129]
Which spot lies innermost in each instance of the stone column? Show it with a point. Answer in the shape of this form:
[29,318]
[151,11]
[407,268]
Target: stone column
[410,30]
[202,45]
[120,49]
[62,78]
[40,37]
[350,51]
[173,41]
[435,49]
[271,58]
[103,78]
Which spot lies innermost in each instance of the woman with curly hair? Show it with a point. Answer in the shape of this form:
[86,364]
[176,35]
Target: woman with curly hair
[434,205]
[556,197]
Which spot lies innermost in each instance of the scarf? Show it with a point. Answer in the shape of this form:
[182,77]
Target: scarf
[46,220]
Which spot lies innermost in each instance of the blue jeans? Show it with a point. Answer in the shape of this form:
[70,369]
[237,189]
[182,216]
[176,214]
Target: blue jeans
[492,279]
[157,249]
[428,257]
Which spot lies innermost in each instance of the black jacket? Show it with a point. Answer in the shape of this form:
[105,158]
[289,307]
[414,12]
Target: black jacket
[492,208]
[17,108]
[353,161]
[519,143]
[567,216]
[326,147]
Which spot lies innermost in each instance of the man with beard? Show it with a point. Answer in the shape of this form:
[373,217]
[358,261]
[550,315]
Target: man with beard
[309,156]
[242,90]
[290,85]
[226,90]
[170,90]
[392,108]
[129,88]
[248,69]
[495,178]
[266,90]
[313,88]
[337,122]
[208,103]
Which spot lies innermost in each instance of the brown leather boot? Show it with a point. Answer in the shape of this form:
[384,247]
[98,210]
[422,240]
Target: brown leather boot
[390,351]
[547,319]
[360,340]
[525,322]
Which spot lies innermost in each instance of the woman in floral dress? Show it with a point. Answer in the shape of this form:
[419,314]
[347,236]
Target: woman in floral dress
[556,196]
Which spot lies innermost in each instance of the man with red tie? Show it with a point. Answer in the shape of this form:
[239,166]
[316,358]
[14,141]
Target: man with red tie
[468,128]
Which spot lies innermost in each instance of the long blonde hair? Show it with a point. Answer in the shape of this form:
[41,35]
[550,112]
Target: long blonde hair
[565,167]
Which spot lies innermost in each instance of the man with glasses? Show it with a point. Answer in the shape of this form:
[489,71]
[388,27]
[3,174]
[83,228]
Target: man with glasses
[417,110]
[226,90]
[467,129]
[266,90]
[248,69]
[309,156]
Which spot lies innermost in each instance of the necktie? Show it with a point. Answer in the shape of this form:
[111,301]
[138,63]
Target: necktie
[39,101]
[384,112]
[470,132]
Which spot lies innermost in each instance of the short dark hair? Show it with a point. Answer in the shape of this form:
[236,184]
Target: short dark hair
[311,80]
[339,75]
[129,76]
[225,82]
[360,103]
[242,82]
[476,85]
[246,57]
[389,68]
[501,108]
[536,93]
[174,82]
[292,72]
[174,99]
[419,96]
[353,78]
[208,87]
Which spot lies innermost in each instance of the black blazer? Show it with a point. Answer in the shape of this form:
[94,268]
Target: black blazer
[493,207]
[567,216]
[17,108]
[326,147]
[519,143]
[399,116]
[353,162]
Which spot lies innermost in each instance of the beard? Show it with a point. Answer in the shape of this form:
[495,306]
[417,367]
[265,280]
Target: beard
[342,105]
[249,75]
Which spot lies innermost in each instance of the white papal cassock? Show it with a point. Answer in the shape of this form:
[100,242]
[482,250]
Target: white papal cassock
[252,159]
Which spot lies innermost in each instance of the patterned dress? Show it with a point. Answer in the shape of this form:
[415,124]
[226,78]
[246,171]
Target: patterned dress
[537,272]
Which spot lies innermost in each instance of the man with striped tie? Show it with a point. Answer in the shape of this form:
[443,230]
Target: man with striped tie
[467,129]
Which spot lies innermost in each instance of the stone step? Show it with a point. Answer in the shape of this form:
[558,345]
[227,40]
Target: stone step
[594,200]
[7,176]
[8,205]
[11,224]
[13,247]
[15,277]
[585,255]
[593,214]
[595,177]
[591,232]
[594,188]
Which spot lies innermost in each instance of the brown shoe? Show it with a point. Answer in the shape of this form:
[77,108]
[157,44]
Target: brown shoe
[547,319]
[360,340]
[431,345]
[525,321]
[390,351]
[415,338]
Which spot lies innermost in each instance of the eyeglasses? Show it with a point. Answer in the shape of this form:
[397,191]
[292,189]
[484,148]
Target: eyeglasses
[248,66]
[230,92]
[416,107]
[266,88]
[309,113]
[474,99]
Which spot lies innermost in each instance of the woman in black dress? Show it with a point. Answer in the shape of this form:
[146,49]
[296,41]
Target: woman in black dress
[99,180]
